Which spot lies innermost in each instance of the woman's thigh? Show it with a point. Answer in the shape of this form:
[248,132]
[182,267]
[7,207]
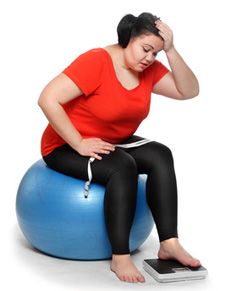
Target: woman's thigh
[152,155]
[67,161]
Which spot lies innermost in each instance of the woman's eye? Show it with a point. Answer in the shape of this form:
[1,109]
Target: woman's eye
[145,50]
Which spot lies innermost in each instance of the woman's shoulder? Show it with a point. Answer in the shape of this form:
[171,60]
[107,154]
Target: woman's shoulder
[93,53]
[91,58]
[155,72]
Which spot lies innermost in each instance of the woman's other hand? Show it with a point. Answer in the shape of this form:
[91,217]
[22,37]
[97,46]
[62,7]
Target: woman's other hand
[166,33]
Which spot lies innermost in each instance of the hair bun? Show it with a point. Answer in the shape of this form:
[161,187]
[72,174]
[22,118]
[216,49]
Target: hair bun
[124,29]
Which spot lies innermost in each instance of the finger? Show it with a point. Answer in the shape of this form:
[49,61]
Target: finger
[164,36]
[162,27]
[103,152]
[165,30]
[96,156]
[102,149]
[108,146]
[162,24]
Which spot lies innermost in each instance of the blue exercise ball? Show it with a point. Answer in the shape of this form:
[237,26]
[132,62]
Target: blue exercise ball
[57,219]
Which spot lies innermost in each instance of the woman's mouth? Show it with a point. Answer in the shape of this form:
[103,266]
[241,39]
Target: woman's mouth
[143,65]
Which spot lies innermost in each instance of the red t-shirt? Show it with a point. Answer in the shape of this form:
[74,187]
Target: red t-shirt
[106,110]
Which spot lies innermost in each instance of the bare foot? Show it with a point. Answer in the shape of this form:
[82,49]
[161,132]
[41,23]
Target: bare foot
[172,250]
[125,270]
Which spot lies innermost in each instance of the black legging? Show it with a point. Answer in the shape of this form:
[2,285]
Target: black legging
[119,170]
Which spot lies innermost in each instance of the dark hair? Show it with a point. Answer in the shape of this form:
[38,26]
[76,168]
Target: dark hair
[132,27]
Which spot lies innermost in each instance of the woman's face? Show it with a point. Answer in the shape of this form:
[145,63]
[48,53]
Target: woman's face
[142,51]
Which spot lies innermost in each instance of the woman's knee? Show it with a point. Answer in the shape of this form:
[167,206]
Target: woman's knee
[125,166]
[117,164]
[160,154]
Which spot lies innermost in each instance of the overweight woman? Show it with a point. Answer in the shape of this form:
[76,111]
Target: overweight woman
[95,106]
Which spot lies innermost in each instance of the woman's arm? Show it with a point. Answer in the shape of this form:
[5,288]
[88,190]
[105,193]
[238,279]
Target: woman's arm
[180,83]
[57,93]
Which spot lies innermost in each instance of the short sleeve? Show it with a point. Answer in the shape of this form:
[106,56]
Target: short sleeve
[85,71]
[157,71]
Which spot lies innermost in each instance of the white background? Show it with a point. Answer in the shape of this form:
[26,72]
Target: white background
[209,135]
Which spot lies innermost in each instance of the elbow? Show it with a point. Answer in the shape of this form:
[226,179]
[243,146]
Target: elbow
[194,92]
[41,102]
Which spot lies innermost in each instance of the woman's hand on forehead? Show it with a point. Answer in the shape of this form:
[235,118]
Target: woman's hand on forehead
[166,33]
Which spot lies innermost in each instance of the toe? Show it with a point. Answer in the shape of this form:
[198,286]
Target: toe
[197,263]
[141,279]
[194,263]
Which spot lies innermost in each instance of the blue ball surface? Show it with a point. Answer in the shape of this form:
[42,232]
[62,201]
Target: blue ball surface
[57,219]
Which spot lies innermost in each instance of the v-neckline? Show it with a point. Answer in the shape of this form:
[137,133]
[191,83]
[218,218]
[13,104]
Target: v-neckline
[115,75]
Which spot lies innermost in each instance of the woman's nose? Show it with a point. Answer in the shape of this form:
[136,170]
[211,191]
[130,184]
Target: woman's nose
[149,58]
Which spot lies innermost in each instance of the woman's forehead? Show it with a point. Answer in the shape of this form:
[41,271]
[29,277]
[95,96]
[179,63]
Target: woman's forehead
[153,41]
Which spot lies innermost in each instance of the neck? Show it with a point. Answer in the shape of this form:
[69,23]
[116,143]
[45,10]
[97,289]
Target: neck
[118,56]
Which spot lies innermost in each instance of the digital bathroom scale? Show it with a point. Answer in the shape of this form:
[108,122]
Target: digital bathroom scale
[165,271]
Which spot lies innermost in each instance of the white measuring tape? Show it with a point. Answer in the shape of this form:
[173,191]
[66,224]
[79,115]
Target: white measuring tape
[91,160]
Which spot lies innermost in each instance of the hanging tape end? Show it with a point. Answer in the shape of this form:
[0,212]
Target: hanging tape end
[86,189]
[91,160]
